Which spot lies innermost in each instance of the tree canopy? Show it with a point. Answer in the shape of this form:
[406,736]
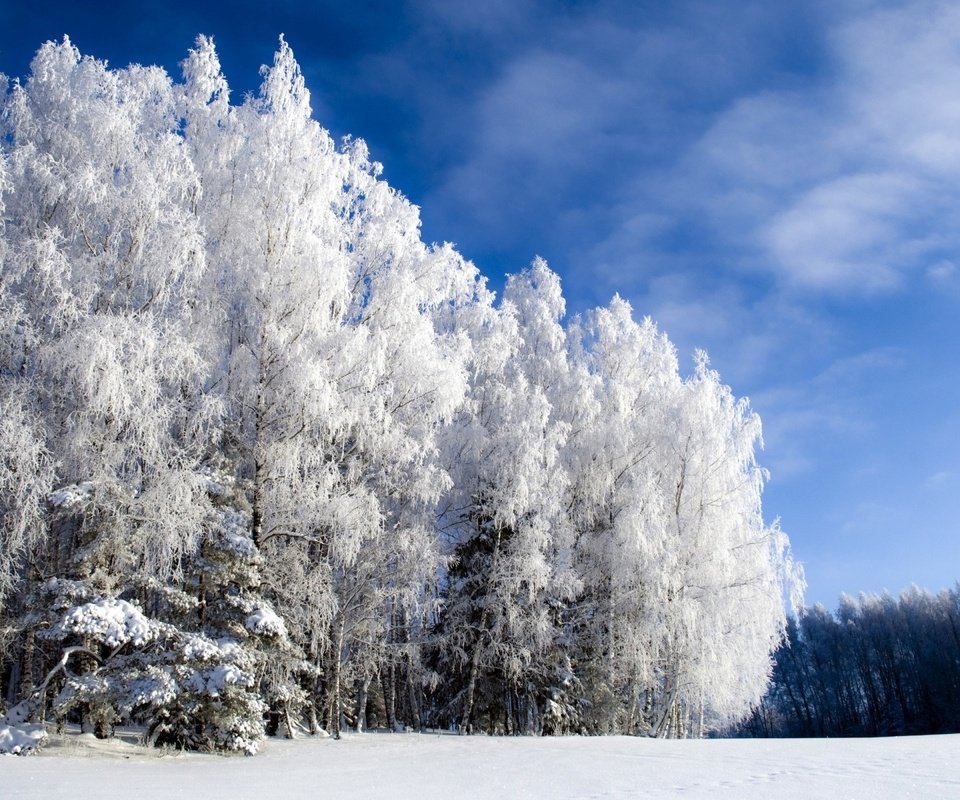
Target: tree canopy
[268,459]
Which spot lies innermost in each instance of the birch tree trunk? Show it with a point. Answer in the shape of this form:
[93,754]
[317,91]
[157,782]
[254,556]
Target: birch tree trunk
[471,686]
[333,724]
[478,647]
[364,688]
[414,693]
[388,684]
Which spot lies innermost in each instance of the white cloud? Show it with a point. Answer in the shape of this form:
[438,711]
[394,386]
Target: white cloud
[943,271]
[945,479]
[837,404]
[573,138]
[771,208]
[848,233]
[900,72]
[850,183]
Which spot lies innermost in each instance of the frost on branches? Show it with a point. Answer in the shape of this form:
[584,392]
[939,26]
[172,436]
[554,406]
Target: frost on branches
[272,463]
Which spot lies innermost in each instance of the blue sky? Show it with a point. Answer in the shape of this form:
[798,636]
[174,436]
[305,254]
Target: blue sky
[777,183]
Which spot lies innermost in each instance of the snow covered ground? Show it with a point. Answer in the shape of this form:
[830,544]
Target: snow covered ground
[426,766]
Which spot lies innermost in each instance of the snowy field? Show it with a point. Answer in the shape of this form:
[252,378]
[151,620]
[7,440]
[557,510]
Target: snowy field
[431,766]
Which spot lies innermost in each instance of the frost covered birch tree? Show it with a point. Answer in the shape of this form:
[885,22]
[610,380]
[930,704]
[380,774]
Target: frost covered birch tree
[727,572]
[505,514]
[102,264]
[628,378]
[338,368]
[104,258]
[684,584]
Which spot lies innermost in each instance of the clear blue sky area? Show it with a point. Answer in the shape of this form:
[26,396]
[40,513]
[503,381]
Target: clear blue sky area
[776,183]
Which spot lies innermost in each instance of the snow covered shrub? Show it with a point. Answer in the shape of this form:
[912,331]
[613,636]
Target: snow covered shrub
[228,578]
[97,631]
[562,707]
[187,689]
[18,736]
[226,658]
[194,665]
[201,699]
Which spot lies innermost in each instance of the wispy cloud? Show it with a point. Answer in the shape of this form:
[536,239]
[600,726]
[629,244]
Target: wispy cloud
[945,479]
[573,116]
[811,422]
[848,184]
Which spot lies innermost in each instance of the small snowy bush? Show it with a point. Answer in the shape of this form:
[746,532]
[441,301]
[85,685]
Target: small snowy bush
[18,736]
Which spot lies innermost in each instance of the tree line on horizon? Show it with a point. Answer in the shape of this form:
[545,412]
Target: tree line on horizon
[877,666]
[270,461]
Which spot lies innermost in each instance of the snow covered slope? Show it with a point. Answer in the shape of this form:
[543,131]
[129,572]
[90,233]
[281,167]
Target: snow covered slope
[427,766]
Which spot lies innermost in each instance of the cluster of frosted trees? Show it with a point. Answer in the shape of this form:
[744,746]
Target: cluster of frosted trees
[269,461]
[878,666]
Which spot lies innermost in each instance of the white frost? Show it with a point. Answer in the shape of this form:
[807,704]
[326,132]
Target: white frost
[72,495]
[265,622]
[197,648]
[235,526]
[113,622]
[213,682]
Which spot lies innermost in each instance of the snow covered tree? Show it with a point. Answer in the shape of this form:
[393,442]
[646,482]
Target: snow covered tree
[277,290]
[683,581]
[337,366]
[197,662]
[100,270]
[726,572]
[504,515]
[627,375]
[25,477]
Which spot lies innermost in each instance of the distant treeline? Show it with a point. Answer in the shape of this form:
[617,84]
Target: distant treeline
[878,666]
